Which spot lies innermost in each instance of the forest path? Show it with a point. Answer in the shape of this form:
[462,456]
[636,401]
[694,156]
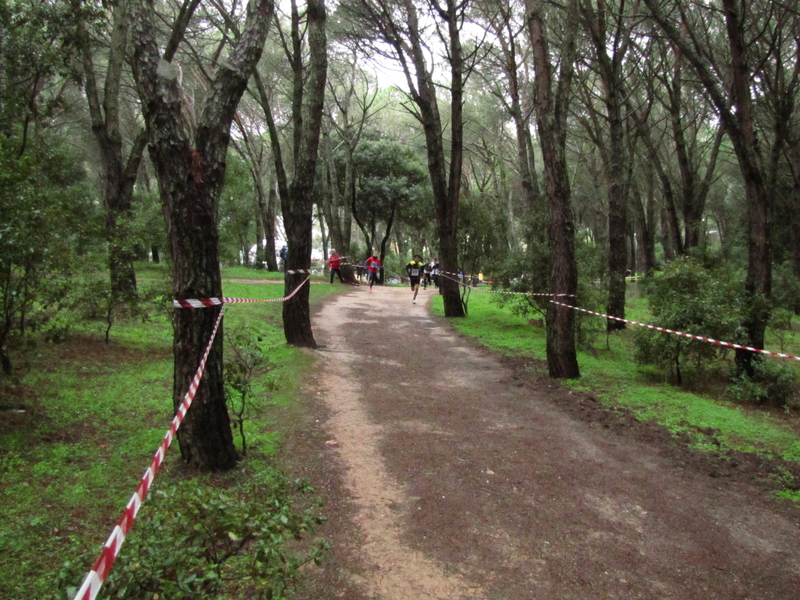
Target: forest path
[448,477]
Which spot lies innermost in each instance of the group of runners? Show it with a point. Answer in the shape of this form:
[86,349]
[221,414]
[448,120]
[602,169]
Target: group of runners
[418,272]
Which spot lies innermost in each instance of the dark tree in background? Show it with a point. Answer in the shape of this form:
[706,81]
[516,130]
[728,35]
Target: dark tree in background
[120,163]
[190,171]
[610,48]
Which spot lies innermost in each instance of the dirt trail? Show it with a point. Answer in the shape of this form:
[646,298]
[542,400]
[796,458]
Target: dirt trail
[448,477]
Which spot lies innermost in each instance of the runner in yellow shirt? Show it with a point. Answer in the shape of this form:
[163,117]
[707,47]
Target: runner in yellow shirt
[414,270]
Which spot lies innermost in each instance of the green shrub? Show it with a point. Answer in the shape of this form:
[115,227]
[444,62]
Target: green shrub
[785,286]
[780,324]
[244,360]
[529,272]
[772,383]
[193,541]
[592,294]
[689,298]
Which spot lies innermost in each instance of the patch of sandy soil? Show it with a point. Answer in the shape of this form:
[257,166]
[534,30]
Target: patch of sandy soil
[448,474]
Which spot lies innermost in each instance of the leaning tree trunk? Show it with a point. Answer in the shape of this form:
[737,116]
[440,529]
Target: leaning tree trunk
[190,176]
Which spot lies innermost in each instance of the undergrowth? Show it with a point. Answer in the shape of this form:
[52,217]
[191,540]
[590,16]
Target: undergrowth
[80,422]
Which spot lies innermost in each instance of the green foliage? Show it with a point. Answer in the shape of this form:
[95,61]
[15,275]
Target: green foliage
[688,297]
[479,231]
[534,266]
[772,383]
[785,286]
[93,414]
[193,541]
[43,195]
[391,183]
[37,48]
[526,271]
[780,324]
[148,227]
[238,207]
[244,360]
[592,293]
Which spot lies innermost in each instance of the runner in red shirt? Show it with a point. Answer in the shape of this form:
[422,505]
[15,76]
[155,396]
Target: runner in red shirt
[373,264]
[335,265]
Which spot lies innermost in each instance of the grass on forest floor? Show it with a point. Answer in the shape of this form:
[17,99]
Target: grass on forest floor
[82,420]
[609,373]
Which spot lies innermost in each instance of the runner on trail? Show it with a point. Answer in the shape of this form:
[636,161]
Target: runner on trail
[335,266]
[435,271]
[426,274]
[373,265]
[414,271]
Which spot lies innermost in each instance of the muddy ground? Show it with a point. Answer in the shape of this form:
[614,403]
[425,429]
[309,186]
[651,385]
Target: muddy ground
[451,473]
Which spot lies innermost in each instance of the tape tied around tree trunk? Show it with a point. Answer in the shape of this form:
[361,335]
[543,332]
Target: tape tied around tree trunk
[208,302]
[102,566]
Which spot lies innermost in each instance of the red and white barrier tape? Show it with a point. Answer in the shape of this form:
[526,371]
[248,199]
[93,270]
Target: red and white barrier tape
[207,302]
[299,272]
[680,333]
[507,293]
[94,580]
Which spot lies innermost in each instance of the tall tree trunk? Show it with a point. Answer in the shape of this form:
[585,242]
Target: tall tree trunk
[795,165]
[331,199]
[645,225]
[190,175]
[298,204]
[446,186]
[597,19]
[399,26]
[506,34]
[562,361]
[666,237]
[269,228]
[261,229]
[694,190]
[119,173]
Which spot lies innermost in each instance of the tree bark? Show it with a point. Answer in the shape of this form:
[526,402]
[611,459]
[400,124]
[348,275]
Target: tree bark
[446,186]
[190,176]
[645,226]
[551,117]
[795,163]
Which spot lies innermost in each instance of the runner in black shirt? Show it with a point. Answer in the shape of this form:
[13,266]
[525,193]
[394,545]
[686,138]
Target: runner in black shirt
[414,270]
